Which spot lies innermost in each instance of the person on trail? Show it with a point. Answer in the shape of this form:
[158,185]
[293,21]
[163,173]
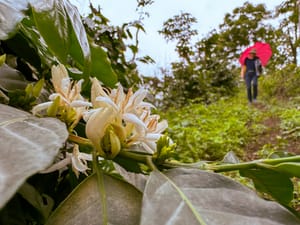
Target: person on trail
[251,69]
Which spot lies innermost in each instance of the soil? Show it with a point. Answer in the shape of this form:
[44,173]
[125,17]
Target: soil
[270,136]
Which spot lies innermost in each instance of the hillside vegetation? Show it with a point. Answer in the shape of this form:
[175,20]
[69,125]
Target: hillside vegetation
[209,131]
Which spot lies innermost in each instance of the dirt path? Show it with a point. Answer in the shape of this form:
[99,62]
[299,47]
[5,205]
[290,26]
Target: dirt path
[272,136]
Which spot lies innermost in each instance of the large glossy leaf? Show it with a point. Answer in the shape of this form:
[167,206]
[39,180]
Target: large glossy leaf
[11,13]
[79,47]
[292,169]
[67,36]
[83,206]
[52,22]
[189,196]
[101,67]
[33,38]
[274,183]
[28,145]
[138,180]
[11,79]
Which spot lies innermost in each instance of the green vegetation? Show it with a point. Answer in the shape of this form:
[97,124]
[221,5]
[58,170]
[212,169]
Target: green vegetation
[80,146]
[208,132]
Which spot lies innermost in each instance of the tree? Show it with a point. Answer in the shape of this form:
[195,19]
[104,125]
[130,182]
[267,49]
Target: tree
[179,28]
[241,28]
[288,31]
[112,38]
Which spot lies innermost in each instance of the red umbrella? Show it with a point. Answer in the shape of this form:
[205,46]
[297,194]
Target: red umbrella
[263,51]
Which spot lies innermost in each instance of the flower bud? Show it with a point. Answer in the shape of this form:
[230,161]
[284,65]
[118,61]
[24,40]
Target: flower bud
[112,144]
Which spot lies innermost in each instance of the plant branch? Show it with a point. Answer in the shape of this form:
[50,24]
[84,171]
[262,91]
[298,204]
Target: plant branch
[250,165]
[131,155]
[79,140]
[101,187]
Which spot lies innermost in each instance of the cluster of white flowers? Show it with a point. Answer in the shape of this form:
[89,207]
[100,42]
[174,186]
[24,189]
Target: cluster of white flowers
[114,119]
[67,101]
[126,115]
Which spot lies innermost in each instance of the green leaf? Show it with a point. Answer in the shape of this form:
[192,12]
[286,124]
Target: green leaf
[292,169]
[274,183]
[2,59]
[130,165]
[79,47]
[28,145]
[42,203]
[136,179]
[173,198]
[11,79]
[68,36]
[11,13]
[29,35]
[83,206]
[101,66]
[51,16]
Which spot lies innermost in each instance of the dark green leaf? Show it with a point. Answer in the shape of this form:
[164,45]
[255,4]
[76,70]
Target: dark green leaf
[276,184]
[292,169]
[130,165]
[79,46]
[23,47]
[83,206]
[42,203]
[180,195]
[28,145]
[11,79]
[101,67]
[138,180]
[31,34]
[11,13]
[67,36]
[52,22]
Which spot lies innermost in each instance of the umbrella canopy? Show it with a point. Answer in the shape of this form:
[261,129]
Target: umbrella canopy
[263,52]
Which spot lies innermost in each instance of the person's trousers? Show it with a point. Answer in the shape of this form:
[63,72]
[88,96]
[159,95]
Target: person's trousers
[251,81]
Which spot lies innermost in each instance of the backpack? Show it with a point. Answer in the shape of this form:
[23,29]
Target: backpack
[258,67]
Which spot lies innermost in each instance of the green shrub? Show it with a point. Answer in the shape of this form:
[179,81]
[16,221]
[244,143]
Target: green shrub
[208,132]
[290,122]
[281,84]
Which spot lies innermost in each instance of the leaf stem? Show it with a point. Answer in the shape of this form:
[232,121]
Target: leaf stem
[150,163]
[135,156]
[250,165]
[101,187]
[230,167]
[79,140]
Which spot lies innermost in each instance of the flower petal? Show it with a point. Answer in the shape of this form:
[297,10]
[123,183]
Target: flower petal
[40,107]
[152,137]
[57,166]
[80,103]
[96,91]
[97,123]
[146,105]
[135,99]
[85,156]
[79,164]
[58,72]
[161,126]
[139,124]
[149,146]
[106,101]
[89,113]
